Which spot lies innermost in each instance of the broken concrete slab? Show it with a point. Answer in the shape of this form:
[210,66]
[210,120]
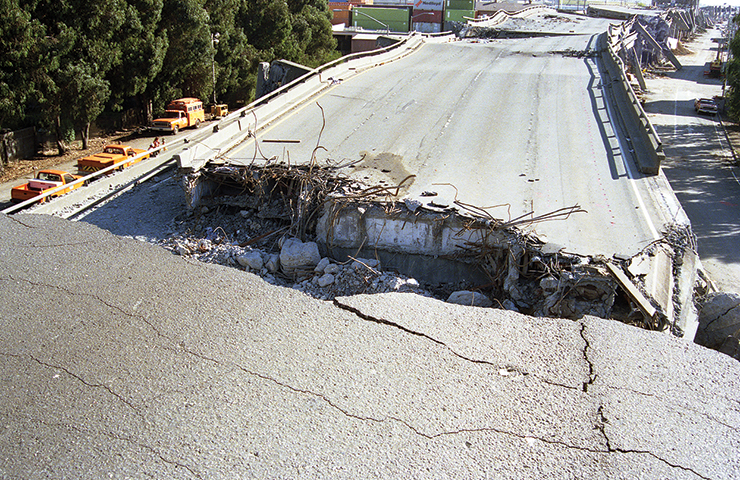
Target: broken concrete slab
[473,299]
[635,294]
[104,373]
[296,255]
[719,318]
[645,383]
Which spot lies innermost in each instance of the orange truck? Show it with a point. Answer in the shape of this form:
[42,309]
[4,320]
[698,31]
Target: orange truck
[45,180]
[180,113]
[114,154]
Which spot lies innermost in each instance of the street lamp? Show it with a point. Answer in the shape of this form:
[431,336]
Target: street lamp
[419,15]
[387,28]
[214,42]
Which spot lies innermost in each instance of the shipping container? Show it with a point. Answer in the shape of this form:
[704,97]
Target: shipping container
[436,5]
[458,15]
[426,16]
[340,13]
[394,3]
[459,4]
[341,17]
[427,27]
[381,18]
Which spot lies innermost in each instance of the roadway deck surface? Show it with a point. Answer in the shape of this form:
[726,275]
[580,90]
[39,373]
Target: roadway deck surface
[519,124]
[136,363]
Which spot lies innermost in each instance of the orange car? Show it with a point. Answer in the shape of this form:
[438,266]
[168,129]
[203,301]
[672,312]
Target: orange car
[111,155]
[45,180]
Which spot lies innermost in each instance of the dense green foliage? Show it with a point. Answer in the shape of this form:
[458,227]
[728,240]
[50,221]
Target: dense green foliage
[732,76]
[64,62]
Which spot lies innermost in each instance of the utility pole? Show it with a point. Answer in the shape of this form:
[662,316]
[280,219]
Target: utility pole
[214,42]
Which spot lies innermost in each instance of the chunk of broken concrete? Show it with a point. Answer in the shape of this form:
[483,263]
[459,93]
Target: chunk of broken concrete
[719,318]
[465,297]
[182,249]
[295,254]
[332,268]
[323,263]
[251,260]
[273,263]
[549,284]
[325,280]
[365,263]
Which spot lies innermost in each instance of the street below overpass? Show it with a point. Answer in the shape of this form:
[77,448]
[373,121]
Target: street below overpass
[518,126]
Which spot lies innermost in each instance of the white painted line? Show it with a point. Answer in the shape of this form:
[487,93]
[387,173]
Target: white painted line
[630,173]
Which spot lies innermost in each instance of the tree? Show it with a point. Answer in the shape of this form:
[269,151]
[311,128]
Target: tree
[63,62]
[143,47]
[312,32]
[234,59]
[19,34]
[80,46]
[186,68]
[732,74]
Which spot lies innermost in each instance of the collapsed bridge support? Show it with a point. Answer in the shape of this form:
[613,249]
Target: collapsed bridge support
[455,245]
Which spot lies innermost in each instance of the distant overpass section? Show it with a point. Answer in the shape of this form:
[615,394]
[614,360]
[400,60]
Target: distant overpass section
[520,125]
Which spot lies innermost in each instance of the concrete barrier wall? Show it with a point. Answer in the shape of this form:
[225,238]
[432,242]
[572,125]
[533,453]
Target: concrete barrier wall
[502,15]
[647,146]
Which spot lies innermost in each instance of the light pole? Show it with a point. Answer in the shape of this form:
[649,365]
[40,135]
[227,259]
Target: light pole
[214,42]
[387,28]
[419,15]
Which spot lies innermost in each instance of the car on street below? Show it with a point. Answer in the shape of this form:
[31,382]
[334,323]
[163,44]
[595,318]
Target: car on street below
[705,105]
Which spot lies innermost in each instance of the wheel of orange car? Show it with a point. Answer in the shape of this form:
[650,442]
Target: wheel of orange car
[175,129]
[197,122]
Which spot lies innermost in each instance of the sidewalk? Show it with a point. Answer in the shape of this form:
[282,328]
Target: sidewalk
[699,163]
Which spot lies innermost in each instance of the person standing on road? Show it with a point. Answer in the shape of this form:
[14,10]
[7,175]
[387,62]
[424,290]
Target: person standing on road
[154,145]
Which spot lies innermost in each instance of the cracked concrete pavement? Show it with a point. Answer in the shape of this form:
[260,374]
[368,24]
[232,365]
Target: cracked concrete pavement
[120,359]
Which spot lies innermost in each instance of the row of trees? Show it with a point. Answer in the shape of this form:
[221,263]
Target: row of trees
[65,62]
[732,74]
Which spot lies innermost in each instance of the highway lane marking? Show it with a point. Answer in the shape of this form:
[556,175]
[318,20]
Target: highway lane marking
[631,176]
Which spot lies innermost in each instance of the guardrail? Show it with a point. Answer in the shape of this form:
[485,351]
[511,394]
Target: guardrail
[501,16]
[83,180]
[191,138]
[650,157]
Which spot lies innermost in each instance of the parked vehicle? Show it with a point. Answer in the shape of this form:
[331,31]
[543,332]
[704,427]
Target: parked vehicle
[114,154]
[180,113]
[45,180]
[705,105]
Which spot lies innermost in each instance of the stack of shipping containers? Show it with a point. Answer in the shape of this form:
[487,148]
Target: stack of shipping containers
[392,19]
[427,16]
[457,10]
[341,10]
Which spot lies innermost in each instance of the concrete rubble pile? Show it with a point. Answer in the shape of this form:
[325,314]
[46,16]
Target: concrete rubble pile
[289,225]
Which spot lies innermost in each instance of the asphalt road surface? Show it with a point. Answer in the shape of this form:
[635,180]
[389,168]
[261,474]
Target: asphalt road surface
[699,163]
[516,123]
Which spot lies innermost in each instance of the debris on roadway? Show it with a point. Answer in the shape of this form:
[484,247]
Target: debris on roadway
[282,222]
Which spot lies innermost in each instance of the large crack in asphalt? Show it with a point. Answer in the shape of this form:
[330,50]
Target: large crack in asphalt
[591,369]
[14,218]
[113,436]
[79,378]
[508,369]
[600,424]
